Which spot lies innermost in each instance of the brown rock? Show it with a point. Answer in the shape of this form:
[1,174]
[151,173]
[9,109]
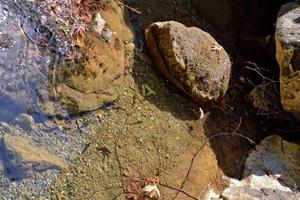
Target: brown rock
[24,153]
[96,78]
[191,58]
[288,56]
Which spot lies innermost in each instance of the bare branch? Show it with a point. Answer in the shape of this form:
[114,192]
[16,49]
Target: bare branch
[234,133]
[130,8]
[179,190]
[257,69]
[259,73]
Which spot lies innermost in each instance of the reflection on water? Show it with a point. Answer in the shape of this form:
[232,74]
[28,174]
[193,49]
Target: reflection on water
[24,65]
[28,55]
[25,60]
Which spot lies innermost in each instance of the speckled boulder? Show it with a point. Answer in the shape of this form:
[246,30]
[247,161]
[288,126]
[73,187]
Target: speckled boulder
[97,78]
[191,58]
[288,56]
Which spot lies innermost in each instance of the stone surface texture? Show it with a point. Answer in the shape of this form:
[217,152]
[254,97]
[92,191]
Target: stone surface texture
[191,58]
[95,79]
[20,155]
[288,56]
[271,172]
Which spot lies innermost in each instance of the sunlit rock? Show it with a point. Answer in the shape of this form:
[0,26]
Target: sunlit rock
[271,173]
[21,156]
[95,78]
[288,56]
[191,58]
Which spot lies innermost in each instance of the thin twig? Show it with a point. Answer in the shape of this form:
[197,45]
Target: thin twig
[259,73]
[234,133]
[24,34]
[179,190]
[189,170]
[129,8]
[118,195]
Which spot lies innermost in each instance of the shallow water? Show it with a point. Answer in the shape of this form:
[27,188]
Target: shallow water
[27,56]
[24,66]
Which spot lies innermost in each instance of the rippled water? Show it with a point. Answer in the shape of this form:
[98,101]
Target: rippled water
[24,65]
[28,54]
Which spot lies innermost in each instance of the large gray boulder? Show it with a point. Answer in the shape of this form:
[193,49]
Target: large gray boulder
[191,58]
[288,56]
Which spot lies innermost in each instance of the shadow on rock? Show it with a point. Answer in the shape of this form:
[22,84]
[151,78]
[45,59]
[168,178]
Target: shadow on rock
[231,134]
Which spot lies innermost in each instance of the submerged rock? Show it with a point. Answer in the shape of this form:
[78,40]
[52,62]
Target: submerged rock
[271,172]
[288,56]
[191,58]
[20,156]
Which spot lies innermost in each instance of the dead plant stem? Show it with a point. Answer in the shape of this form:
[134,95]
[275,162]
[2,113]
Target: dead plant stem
[129,8]
[179,190]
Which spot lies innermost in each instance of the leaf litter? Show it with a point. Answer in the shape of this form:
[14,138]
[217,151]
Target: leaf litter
[137,188]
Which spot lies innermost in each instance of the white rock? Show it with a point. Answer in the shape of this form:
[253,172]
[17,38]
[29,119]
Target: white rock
[271,173]
[99,24]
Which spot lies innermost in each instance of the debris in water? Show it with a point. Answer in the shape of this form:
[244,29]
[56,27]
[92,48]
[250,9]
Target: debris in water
[5,42]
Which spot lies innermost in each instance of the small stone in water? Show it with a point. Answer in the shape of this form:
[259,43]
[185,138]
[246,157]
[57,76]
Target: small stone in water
[5,42]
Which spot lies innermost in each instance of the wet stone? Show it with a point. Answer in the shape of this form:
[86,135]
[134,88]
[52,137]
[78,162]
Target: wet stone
[5,42]
[21,156]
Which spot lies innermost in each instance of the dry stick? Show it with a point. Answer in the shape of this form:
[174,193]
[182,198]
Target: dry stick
[259,73]
[24,34]
[128,7]
[271,81]
[234,133]
[188,173]
[118,195]
[179,190]
[116,138]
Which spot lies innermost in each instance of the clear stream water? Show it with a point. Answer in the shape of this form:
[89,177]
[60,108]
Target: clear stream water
[27,55]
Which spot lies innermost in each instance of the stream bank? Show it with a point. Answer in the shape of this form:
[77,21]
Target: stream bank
[149,128]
